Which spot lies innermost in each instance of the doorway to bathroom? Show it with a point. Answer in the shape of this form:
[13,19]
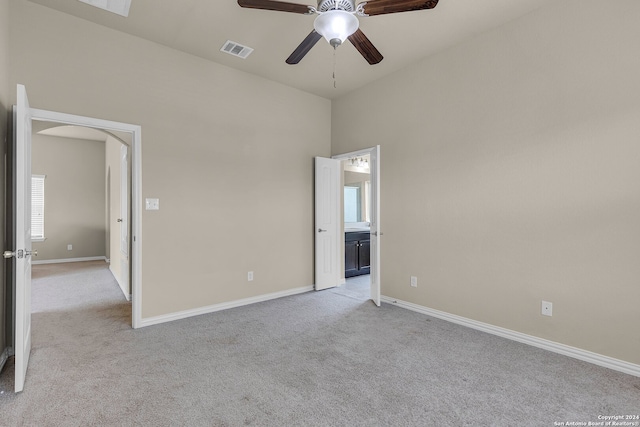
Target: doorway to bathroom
[356,220]
[360,188]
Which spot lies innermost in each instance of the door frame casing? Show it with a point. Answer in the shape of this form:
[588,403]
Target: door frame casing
[125,234]
[135,261]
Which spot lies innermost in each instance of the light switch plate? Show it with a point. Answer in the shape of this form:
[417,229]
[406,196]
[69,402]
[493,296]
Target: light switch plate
[547,308]
[152,204]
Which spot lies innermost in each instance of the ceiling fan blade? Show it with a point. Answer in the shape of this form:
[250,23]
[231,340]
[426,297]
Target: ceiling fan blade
[365,47]
[304,48]
[382,7]
[279,6]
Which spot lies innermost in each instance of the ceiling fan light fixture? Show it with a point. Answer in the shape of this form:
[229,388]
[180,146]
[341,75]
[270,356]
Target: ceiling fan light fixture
[336,25]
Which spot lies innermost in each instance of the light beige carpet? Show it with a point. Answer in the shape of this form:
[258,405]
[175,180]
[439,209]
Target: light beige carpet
[320,359]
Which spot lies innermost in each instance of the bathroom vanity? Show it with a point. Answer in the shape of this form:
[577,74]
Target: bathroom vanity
[356,252]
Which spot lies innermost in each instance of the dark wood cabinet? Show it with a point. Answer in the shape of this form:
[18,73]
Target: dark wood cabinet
[356,253]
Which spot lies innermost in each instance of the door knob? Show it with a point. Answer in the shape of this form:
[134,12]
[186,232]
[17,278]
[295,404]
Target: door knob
[119,220]
[32,253]
[18,254]
[320,230]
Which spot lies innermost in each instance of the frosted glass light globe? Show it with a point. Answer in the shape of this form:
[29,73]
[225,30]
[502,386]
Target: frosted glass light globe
[336,25]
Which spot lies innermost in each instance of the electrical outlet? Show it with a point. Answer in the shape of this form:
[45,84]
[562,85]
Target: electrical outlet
[152,204]
[547,308]
[414,282]
[250,276]
[69,247]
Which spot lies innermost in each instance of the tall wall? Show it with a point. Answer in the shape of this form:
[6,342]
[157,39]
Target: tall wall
[510,175]
[74,196]
[229,155]
[5,102]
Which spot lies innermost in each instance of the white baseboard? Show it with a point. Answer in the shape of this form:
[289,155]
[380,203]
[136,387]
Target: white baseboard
[61,261]
[576,353]
[222,306]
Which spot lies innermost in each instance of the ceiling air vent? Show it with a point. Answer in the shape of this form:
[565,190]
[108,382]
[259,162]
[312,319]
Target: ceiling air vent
[120,7]
[236,49]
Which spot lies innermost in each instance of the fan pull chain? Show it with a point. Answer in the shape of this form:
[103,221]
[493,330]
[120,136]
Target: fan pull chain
[334,68]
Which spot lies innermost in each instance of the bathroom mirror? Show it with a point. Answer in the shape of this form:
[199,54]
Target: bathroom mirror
[352,204]
[357,190]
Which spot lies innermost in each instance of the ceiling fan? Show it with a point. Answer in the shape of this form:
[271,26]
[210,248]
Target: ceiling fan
[337,21]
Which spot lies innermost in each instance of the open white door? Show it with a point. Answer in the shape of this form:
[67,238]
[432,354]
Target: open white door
[22,252]
[124,219]
[327,223]
[374,166]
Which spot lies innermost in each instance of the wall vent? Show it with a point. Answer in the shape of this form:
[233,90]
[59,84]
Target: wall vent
[236,49]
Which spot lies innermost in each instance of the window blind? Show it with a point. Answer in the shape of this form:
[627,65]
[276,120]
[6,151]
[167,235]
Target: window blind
[37,206]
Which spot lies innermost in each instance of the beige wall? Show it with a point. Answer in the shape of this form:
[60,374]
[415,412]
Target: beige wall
[74,196]
[229,155]
[510,175]
[4,111]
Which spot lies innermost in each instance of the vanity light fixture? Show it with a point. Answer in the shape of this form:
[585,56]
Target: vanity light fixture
[359,162]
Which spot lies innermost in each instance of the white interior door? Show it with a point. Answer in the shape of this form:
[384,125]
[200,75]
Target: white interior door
[124,218]
[374,166]
[22,253]
[327,223]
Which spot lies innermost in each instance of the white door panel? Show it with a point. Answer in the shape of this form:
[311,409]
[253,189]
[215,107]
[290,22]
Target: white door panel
[124,219]
[375,225]
[23,238]
[327,222]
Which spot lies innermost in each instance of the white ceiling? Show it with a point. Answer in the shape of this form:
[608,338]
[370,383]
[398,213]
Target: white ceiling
[200,27]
